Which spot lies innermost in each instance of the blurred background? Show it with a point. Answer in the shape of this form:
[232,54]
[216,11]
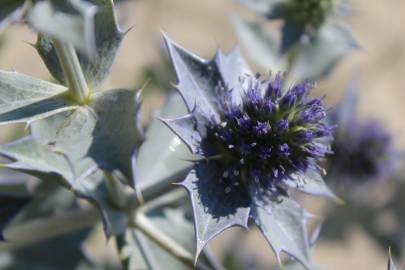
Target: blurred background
[205,26]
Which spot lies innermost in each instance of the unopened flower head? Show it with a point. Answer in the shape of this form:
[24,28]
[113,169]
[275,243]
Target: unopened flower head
[362,152]
[310,13]
[269,136]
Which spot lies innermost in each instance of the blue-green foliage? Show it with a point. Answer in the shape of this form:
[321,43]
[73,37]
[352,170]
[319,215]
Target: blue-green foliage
[312,35]
[240,145]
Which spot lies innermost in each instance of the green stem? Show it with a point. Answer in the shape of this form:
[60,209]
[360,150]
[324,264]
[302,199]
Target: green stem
[72,71]
[117,192]
[142,223]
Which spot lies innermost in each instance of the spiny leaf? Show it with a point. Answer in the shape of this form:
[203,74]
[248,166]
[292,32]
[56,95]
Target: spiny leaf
[27,155]
[232,66]
[25,99]
[80,146]
[213,211]
[283,224]
[107,38]
[198,74]
[391,265]
[206,76]
[184,128]
[311,183]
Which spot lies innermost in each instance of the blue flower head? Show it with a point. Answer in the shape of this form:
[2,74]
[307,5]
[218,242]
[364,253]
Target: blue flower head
[362,150]
[362,154]
[272,134]
[255,139]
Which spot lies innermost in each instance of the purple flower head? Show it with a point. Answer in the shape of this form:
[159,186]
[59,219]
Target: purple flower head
[362,152]
[274,141]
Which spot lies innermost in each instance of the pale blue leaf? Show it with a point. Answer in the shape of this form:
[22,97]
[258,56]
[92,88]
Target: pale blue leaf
[312,183]
[26,99]
[283,224]
[163,157]
[84,142]
[262,48]
[391,265]
[214,209]
[186,129]
[107,38]
[198,80]
[27,155]
[323,51]
[232,66]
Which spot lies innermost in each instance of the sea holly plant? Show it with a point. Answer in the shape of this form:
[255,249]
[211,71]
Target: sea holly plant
[253,140]
[312,33]
[239,145]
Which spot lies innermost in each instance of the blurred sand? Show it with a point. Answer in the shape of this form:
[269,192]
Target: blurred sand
[204,26]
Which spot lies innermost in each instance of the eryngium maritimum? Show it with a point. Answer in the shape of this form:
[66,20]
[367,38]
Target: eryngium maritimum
[271,135]
[253,140]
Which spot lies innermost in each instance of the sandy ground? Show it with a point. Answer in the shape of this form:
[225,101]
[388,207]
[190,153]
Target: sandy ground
[204,26]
